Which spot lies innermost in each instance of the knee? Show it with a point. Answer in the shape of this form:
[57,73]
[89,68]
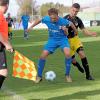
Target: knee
[43,56]
[81,54]
[67,54]
[73,61]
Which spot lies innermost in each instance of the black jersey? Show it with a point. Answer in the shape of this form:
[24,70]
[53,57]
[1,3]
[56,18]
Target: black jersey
[10,21]
[77,22]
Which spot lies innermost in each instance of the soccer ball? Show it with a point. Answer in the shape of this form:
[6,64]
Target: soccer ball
[50,75]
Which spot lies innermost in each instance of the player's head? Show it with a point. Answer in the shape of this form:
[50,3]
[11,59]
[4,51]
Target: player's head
[8,14]
[53,13]
[74,9]
[4,4]
[26,12]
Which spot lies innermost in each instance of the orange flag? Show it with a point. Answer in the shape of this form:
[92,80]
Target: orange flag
[23,67]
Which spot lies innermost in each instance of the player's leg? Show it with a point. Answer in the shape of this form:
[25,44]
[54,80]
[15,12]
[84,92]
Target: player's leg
[3,66]
[24,27]
[3,75]
[85,64]
[11,34]
[41,62]
[66,49]
[26,35]
[76,64]
[79,49]
[8,35]
[48,49]
[68,61]
[73,45]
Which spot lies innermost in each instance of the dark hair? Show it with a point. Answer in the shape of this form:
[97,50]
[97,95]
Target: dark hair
[8,14]
[76,5]
[52,11]
[4,2]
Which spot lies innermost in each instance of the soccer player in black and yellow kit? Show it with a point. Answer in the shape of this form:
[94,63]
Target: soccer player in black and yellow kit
[10,22]
[75,43]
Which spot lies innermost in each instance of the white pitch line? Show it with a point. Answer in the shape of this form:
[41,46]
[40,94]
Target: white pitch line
[31,44]
[90,39]
[21,36]
[86,39]
[11,94]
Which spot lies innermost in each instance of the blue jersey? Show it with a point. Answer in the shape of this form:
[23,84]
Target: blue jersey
[54,28]
[25,19]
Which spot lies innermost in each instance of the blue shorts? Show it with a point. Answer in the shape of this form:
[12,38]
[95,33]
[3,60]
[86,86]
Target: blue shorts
[53,44]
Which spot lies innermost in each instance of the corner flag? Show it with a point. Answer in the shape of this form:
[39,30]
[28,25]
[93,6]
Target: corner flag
[23,67]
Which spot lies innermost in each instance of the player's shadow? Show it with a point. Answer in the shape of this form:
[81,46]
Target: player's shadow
[77,96]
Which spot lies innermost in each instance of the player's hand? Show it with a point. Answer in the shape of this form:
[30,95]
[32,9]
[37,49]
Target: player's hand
[10,50]
[9,47]
[64,29]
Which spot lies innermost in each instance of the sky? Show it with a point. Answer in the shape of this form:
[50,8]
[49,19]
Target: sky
[13,7]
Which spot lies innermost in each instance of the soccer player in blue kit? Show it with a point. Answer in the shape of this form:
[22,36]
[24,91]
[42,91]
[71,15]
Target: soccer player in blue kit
[25,19]
[57,38]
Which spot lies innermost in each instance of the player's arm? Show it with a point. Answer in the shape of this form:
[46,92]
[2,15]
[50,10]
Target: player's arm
[3,40]
[69,24]
[6,43]
[30,20]
[84,30]
[74,28]
[89,33]
[65,29]
[34,24]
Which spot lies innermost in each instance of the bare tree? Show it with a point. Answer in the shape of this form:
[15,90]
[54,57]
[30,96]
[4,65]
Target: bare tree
[29,6]
[44,8]
[62,9]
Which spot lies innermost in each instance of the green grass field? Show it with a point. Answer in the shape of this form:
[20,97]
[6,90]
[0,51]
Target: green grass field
[59,89]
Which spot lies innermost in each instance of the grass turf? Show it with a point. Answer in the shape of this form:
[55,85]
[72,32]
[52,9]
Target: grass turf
[79,89]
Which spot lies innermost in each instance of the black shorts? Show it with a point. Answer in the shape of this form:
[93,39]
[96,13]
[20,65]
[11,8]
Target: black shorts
[3,63]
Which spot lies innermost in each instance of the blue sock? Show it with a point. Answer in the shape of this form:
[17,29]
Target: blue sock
[41,65]
[68,62]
